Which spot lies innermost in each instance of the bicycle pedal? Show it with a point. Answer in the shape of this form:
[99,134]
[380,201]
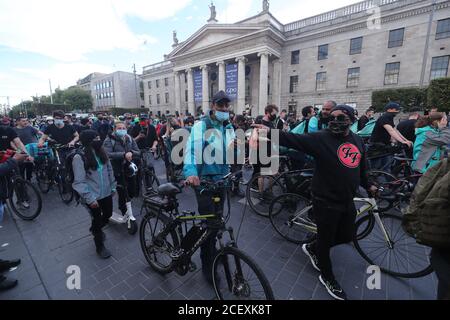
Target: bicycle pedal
[192,267]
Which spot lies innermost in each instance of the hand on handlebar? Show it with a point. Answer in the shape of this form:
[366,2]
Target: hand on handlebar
[20,157]
[193,181]
[373,190]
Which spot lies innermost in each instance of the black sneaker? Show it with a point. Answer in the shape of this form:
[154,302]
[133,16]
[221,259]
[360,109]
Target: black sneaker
[103,252]
[6,284]
[312,256]
[5,265]
[333,288]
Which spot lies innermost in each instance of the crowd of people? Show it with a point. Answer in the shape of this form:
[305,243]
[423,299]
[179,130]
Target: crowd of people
[325,139]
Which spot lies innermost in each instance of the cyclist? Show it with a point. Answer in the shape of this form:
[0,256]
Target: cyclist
[123,151]
[340,168]
[433,135]
[6,168]
[195,169]
[95,183]
[380,141]
[365,118]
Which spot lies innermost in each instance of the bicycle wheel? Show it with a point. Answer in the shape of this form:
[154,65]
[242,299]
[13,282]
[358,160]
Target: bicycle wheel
[401,256]
[290,216]
[261,190]
[386,182]
[65,190]
[237,277]
[157,250]
[25,201]
[43,180]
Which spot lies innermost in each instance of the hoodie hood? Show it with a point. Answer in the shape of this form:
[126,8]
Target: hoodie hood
[424,130]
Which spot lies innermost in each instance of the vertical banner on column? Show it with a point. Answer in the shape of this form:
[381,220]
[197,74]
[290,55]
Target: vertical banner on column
[198,86]
[232,80]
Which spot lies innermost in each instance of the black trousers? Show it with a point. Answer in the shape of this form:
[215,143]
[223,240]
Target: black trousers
[207,206]
[126,190]
[440,261]
[100,218]
[26,170]
[335,226]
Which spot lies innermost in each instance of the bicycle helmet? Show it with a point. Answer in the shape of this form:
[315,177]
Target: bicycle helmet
[130,169]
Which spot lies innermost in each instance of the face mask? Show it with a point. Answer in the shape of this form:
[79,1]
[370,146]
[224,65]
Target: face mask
[272,117]
[59,123]
[339,126]
[121,133]
[50,122]
[96,145]
[222,116]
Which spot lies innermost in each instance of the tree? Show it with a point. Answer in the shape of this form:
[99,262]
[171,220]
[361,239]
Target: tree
[406,97]
[78,99]
[439,94]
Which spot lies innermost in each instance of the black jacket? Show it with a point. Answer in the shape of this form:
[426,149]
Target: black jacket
[6,169]
[340,163]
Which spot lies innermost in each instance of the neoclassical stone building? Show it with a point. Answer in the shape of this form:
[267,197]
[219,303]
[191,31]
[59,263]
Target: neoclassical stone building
[342,55]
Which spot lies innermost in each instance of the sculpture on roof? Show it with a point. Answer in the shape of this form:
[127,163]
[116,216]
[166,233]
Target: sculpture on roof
[213,16]
[175,39]
[266,5]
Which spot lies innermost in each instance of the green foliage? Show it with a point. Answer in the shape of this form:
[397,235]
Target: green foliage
[406,97]
[439,94]
[78,99]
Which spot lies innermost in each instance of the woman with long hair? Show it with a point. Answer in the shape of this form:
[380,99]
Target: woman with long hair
[432,136]
[95,183]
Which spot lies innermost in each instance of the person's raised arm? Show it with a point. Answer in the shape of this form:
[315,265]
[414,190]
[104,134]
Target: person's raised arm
[396,135]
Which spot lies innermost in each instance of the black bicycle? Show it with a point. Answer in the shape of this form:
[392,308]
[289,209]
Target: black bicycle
[149,178]
[23,197]
[58,174]
[170,238]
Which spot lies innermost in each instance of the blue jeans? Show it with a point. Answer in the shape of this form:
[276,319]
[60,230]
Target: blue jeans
[382,163]
[2,210]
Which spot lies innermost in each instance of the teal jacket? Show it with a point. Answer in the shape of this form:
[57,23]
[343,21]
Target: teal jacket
[315,125]
[207,156]
[429,147]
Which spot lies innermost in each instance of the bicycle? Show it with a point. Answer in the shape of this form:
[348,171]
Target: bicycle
[292,217]
[57,175]
[170,238]
[23,198]
[149,178]
[44,163]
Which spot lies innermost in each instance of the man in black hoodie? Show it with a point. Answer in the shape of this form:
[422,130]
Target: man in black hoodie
[340,168]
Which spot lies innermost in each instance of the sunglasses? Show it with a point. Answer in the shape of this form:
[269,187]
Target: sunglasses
[340,118]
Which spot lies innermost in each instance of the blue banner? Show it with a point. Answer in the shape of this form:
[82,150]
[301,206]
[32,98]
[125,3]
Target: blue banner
[198,96]
[232,80]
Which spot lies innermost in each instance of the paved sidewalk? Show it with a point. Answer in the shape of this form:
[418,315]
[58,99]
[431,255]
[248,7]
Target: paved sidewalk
[60,237]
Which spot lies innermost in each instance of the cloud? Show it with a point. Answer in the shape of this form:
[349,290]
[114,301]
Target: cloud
[292,10]
[22,83]
[68,30]
[235,11]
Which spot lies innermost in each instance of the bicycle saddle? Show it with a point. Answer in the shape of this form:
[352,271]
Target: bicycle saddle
[168,189]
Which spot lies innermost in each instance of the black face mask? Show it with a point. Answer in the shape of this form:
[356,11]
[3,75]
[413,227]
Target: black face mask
[339,125]
[272,117]
[96,145]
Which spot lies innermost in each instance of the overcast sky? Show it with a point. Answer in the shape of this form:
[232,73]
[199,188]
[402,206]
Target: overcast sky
[65,40]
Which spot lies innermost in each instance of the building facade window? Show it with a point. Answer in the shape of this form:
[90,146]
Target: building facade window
[157,83]
[158,99]
[443,29]
[396,38]
[166,82]
[149,84]
[185,95]
[323,52]
[321,81]
[392,73]
[295,57]
[356,45]
[293,84]
[150,100]
[167,97]
[353,77]
[439,67]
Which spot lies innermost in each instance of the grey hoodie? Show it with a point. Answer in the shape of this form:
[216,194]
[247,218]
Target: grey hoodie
[95,185]
[117,149]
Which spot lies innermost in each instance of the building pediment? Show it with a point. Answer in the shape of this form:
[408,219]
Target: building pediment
[213,35]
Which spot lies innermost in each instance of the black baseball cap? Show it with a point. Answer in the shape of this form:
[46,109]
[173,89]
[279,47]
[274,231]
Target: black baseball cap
[221,96]
[392,105]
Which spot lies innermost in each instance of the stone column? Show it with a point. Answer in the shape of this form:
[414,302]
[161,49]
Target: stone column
[222,85]
[241,85]
[205,88]
[190,83]
[177,92]
[263,81]
[276,85]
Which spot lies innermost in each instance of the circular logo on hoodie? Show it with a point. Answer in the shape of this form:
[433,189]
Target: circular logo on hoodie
[349,155]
